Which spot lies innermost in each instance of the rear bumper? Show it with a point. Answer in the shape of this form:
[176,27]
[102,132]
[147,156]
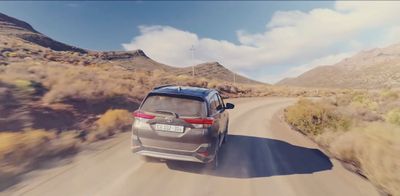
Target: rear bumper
[192,156]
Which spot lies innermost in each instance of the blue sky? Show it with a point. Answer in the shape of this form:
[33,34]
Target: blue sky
[105,25]
[263,40]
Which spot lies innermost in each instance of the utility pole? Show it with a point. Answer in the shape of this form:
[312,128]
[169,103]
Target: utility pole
[234,78]
[192,51]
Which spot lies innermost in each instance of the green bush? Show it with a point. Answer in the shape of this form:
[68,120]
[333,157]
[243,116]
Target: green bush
[389,95]
[364,101]
[111,122]
[313,117]
[25,85]
[393,116]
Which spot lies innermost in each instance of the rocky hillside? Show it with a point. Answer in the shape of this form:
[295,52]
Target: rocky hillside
[20,42]
[372,69]
[214,70]
[13,27]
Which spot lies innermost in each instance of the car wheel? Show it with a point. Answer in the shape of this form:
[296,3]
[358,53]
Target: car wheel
[213,165]
[225,138]
[216,161]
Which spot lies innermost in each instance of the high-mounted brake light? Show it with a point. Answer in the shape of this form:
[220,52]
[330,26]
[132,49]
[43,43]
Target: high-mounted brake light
[202,121]
[139,114]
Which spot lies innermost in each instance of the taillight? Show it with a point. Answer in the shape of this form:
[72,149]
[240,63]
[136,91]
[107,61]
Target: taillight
[204,154]
[200,122]
[203,121]
[139,114]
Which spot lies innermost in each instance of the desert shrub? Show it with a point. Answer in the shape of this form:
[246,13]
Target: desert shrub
[90,83]
[374,148]
[363,114]
[11,54]
[111,122]
[364,101]
[212,84]
[14,113]
[64,81]
[369,143]
[388,94]
[393,116]
[313,117]
[24,85]
[343,100]
[19,150]
[388,105]
[17,146]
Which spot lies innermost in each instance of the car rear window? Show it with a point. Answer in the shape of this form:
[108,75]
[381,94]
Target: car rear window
[183,106]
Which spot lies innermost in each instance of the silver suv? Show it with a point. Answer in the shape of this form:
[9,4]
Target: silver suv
[181,123]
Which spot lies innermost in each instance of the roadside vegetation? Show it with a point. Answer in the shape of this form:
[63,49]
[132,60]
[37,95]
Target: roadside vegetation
[359,128]
[110,123]
[53,107]
[22,151]
[64,81]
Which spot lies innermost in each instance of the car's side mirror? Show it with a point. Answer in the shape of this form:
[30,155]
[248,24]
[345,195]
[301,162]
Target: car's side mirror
[229,106]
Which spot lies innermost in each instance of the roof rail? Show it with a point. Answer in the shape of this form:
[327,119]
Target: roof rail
[162,86]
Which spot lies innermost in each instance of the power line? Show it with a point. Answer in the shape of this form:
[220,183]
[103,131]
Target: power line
[192,51]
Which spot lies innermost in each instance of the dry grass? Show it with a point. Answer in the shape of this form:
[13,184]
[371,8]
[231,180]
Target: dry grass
[393,116]
[36,86]
[314,117]
[375,149]
[364,101]
[351,127]
[388,94]
[66,81]
[19,150]
[22,151]
[111,122]
[76,82]
[16,146]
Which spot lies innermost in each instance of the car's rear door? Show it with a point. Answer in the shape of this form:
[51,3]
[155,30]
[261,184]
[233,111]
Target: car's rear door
[224,113]
[216,112]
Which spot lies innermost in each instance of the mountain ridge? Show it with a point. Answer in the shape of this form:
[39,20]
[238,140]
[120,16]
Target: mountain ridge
[31,44]
[372,69]
[10,26]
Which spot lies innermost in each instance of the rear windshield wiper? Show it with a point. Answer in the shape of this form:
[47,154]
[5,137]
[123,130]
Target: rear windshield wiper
[168,112]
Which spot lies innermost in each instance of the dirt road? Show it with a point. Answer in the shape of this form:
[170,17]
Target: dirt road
[262,157]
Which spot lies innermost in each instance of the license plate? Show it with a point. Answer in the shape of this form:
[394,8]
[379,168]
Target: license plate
[170,128]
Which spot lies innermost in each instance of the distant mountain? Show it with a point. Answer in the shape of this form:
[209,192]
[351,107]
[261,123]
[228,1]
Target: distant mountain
[373,69]
[19,41]
[214,70]
[13,27]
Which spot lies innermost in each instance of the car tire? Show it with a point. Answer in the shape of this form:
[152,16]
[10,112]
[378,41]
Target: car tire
[213,165]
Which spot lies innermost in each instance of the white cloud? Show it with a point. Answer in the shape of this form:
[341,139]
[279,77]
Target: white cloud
[290,37]
[165,44]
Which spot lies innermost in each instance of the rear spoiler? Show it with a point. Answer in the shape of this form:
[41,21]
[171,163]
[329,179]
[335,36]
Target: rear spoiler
[177,95]
[162,86]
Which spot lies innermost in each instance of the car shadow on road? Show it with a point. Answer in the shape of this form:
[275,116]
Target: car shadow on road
[252,157]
